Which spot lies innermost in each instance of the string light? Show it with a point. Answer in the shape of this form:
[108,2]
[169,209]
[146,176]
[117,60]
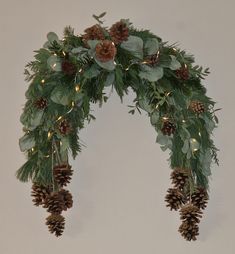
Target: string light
[63,53]
[183,121]
[199,133]
[73,103]
[77,88]
[32,149]
[43,81]
[54,65]
[80,70]
[59,118]
[49,134]
[55,54]
[165,118]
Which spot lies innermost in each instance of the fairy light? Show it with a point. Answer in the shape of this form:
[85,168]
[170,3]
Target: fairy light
[49,134]
[199,133]
[183,121]
[194,144]
[59,118]
[32,149]
[80,70]
[54,65]
[165,118]
[55,54]
[43,81]
[63,53]
[77,88]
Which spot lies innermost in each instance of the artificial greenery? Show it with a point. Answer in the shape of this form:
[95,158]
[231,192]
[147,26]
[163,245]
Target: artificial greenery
[164,78]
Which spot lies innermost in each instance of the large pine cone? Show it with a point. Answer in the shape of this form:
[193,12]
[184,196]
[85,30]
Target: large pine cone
[197,107]
[179,177]
[67,199]
[105,51]
[119,32]
[200,198]
[62,174]
[55,223]
[39,193]
[174,199]
[93,33]
[54,203]
[190,213]
[189,231]
[168,128]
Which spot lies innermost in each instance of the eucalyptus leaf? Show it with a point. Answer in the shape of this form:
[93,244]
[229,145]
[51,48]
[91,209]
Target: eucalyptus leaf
[54,63]
[110,66]
[35,119]
[92,72]
[61,95]
[78,50]
[51,36]
[92,43]
[110,79]
[154,118]
[145,105]
[175,64]
[134,45]
[152,74]
[185,147]
[162,139]
[151,46]
[26,143]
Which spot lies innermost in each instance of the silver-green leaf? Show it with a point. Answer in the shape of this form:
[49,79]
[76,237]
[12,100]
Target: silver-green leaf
[150,73]
[134,45]
[26,143]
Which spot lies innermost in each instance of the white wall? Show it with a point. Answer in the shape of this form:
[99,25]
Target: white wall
[121,177]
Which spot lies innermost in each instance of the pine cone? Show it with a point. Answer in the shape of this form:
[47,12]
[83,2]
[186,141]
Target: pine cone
[174,199]
[39,193]
[179,177]
[168,128]
[200,198]
[67,199]
[93,33]
[119,32]
[182,73]
[54,203]
[62,174]
[190,214]
[189,231]
[105,51]
[197,107]
[55,223]
[152,60]
[41,103]
[64,127]
[68,68]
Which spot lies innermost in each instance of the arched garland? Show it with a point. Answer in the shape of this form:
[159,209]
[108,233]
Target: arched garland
[68,75]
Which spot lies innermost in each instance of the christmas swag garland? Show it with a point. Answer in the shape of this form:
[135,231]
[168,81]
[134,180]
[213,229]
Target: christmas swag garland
[68,75]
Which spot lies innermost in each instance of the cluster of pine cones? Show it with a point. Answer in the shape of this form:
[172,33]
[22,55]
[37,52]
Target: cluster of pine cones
[189,205]
[55,201]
